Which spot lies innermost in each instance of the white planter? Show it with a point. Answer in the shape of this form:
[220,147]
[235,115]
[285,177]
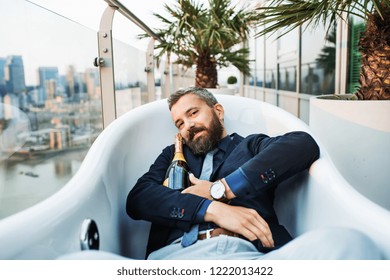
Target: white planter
[234,87]
[357,137]
[227,91]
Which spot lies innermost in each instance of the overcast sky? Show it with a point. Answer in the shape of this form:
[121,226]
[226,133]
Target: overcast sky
[89,12]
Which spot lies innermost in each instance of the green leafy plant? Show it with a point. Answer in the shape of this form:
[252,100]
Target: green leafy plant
[232,80]
[206,37]
[286,15]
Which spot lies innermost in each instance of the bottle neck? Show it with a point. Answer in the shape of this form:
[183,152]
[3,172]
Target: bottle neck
[179,156]
[179,148]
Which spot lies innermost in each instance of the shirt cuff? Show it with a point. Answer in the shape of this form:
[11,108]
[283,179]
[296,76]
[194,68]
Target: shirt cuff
[199,218]
[239,183]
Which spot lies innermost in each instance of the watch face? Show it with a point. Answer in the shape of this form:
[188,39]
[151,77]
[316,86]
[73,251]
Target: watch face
[217,190]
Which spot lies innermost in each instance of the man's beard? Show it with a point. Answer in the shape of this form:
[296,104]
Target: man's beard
[207,142]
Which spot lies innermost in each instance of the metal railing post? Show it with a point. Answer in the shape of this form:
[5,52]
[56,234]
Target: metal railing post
[167,77]
[341,56]
[105,61]
[150,71]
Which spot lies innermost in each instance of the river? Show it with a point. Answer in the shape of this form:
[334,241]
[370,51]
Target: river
[25,183]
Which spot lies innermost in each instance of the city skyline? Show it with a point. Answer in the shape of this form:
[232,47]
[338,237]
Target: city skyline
[49,81]
[57,111]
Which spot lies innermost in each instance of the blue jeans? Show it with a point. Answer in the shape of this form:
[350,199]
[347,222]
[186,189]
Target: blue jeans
[323,244]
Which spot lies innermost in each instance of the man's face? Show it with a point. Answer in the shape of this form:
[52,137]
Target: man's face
[200,126]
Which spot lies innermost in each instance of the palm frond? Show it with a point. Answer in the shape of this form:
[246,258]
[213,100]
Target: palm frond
[289,14]
[193,29]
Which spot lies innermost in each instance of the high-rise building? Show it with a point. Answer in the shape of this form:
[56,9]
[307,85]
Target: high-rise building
[14,74]
[75,84]
[70,82]
[48,82]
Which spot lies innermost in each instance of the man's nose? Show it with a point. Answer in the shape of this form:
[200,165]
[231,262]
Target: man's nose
[189,125]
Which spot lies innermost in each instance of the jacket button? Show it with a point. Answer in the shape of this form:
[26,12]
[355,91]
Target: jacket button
[173,213]
[177,212]
[264,178]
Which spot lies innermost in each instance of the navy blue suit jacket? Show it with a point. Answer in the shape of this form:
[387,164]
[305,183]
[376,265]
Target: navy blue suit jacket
[265,161]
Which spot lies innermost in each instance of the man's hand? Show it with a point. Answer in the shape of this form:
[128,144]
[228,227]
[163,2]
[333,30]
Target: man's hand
[202,188]
[241,220]
[199,187]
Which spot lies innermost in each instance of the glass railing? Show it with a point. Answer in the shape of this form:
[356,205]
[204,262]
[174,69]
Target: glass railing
[314,79]
[130,78]
[303,58]
[53,99]
[50,111]
[51,102]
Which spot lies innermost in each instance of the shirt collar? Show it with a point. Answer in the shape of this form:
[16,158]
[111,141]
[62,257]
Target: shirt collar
[224,143]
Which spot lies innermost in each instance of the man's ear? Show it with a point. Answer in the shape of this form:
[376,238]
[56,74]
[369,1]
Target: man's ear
[218,109]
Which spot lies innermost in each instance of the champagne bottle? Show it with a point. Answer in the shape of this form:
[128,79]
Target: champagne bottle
[177,175]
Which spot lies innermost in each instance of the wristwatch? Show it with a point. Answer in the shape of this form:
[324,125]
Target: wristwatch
[217,191]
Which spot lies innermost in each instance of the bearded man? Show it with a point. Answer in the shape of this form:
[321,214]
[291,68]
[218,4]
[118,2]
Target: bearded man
[230,215]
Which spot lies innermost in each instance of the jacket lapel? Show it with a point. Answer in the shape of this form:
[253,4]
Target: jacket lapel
[195,162]
[220,159]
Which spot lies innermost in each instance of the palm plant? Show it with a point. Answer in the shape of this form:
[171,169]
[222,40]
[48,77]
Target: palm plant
[374,44]
[206,37]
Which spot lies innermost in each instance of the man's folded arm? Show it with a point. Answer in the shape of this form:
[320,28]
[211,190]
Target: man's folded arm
[277,159]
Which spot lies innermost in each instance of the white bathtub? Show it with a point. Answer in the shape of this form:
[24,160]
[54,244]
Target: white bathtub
[125,150]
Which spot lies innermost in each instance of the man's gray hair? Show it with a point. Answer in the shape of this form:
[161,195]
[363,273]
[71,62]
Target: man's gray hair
[202,93]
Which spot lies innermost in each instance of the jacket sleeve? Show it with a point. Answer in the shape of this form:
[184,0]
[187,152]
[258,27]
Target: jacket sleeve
[151,201]
[276,159]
